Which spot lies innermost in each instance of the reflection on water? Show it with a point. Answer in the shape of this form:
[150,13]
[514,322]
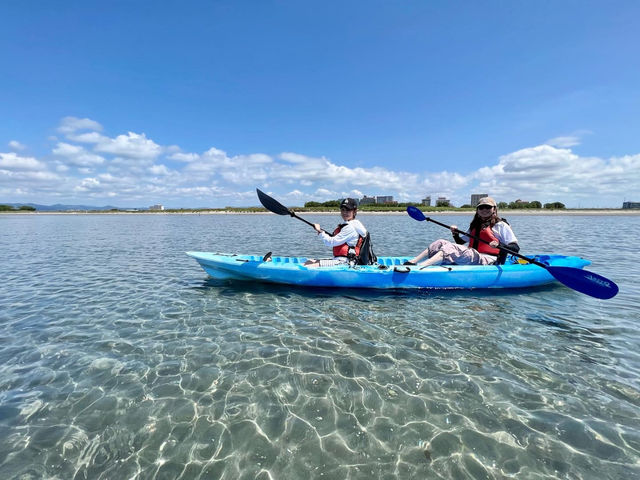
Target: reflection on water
[120,359]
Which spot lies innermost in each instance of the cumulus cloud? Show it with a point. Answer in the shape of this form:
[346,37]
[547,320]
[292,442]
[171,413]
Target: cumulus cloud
[88,137]
[132,167]
[132,145]
[184,157]
[239,169]
[72,124]
[77,155]
[312,170]
[159,170]
[22,176]
[546,173]
[87,184]
[16,145]
[12,161]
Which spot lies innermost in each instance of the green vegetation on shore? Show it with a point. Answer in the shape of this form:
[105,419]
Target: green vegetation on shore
[310,207]
[377,207]
[23,208]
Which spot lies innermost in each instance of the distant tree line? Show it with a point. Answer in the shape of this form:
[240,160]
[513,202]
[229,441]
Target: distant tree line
[23,208]
[554,205]
[523,205]
[330,204]
[439,205]
[534,204]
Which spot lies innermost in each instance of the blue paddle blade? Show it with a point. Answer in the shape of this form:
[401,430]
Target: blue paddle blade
[585,282]
[416,213]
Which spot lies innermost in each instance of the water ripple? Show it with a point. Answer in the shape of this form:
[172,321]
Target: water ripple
[120,359]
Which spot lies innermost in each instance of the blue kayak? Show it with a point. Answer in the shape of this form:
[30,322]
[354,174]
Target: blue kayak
[388,273]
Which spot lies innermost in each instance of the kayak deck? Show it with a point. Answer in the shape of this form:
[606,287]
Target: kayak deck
[388,273]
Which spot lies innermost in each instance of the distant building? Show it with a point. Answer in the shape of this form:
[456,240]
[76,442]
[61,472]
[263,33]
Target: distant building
[629,205]
[379,200]
[384,199]
[426,201]
[443,202]
[475,198]
[156,207]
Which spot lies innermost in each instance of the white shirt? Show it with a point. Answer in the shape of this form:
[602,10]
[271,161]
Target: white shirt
[349,234]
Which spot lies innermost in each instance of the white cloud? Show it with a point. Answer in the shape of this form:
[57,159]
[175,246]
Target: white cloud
[88,137]
[159,170]
[564,142]
[241,169]
[108,178]
[12,161]
[134,168]
[184,157]
[72,124]
[16,145]
[546,173]
[310,170]
[77,156]
[132,145]
[30,181]
[568,141]
[296,158]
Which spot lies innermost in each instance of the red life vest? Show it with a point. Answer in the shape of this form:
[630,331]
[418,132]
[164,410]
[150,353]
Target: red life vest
[487,235]
[343,250]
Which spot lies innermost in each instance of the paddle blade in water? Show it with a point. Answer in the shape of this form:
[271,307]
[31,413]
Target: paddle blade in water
[416,213]
[585,282]
[271,204]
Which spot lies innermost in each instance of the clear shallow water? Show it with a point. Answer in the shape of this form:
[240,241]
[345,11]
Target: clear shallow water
[120,359]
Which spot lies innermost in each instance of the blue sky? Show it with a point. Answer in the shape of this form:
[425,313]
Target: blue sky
[197,103]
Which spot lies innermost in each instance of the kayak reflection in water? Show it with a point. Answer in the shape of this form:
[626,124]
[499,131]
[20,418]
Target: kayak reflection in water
[486,225]
[346,239]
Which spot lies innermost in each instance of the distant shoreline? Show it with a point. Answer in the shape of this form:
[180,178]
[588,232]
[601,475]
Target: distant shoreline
[506,212]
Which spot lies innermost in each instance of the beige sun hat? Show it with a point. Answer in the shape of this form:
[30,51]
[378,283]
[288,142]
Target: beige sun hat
[487,201]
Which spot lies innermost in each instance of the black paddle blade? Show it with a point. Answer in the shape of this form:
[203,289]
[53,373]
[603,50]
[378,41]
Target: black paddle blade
[585,282]
[271,204]
[416,213]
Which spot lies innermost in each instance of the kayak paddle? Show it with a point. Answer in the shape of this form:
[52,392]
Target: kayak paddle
[276,207]
[580,280]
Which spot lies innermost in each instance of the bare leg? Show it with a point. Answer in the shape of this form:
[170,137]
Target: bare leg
[420,256]
[435,260]
[312,263]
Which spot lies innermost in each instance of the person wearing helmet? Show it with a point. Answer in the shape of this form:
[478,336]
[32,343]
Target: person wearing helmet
[486,225]
[346,240]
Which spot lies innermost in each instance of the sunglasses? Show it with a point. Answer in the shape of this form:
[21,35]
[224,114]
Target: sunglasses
[484,207]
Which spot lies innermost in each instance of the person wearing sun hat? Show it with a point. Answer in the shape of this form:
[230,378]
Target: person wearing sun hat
[346,239]
[486,225]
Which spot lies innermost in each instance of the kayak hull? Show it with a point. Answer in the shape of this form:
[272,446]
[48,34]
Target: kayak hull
[389,273]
